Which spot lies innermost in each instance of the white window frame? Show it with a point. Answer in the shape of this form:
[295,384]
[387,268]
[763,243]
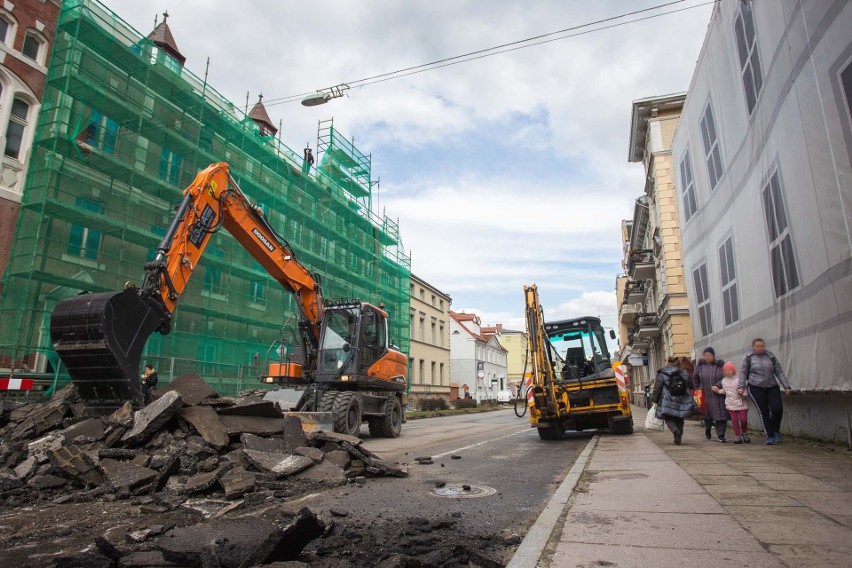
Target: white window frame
[712,147]
[42,46]
[728,279]
[702,298]
[748,56]
[780,238]
[11,31]
[25,124]
[687,182]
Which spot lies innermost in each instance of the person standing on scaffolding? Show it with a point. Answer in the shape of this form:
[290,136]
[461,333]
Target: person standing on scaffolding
[308,160]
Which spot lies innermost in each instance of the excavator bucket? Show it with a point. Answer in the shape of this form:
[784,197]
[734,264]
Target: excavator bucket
[99,338]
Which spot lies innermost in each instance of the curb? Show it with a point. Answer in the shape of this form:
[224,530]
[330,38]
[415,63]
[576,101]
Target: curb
[529,552]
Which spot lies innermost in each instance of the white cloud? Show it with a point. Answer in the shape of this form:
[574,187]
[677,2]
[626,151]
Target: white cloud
[478,232]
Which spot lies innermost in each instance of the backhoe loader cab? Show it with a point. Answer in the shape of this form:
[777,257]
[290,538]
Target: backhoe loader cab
[581,347]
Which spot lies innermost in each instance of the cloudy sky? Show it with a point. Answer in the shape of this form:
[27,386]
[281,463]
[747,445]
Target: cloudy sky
[503,171]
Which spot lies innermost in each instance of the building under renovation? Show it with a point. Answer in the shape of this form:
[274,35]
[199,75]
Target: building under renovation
[123,128]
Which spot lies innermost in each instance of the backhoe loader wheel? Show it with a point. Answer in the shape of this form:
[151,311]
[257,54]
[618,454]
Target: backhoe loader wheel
[389,425]
[347,413]
[551,433]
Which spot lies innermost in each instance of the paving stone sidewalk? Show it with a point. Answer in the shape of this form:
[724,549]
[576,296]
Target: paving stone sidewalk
[644,502]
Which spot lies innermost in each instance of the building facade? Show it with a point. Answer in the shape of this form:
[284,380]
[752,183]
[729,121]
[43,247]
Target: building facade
[515,344]
[762,158]
[477,360]
[429,356]
[123,129]
[26,39]
[653,305]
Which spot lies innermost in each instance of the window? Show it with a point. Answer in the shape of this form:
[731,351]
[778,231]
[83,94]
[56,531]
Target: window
[102,132]
[411,366]
[441,305]
[420,370]
[441,373]
[170,164]
[422,329]
[83,241]
[846,84]
[729,282]
[16,128]
[257,293]
[214,279]
[702,296]
[432,373]
[33,47]
[712,153]
[749,58]
[5,27]
[433,300]
[688,187]
[441,331]
[434,334]
[785,274]
[422,295]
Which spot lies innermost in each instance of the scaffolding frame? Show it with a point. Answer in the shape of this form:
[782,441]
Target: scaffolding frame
[122,129]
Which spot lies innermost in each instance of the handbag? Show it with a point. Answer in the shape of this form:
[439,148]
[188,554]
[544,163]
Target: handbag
[700,401]
[652,422]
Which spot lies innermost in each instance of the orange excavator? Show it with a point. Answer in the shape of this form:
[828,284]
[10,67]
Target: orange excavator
[344,361]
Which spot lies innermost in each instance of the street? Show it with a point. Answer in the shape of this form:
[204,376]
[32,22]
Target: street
[498,451]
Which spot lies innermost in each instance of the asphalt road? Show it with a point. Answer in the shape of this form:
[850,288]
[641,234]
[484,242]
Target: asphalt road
[498,452]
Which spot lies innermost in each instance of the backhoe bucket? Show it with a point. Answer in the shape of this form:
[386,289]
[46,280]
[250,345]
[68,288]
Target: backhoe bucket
[314,421]
[99,338]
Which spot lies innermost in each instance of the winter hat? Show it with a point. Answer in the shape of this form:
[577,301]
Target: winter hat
[730,366]
[711,351]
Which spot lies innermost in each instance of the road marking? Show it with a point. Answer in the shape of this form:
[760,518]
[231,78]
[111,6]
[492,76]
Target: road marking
[436,456]
[529,552]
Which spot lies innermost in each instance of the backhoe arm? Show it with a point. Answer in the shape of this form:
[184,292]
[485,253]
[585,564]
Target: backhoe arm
[100,337]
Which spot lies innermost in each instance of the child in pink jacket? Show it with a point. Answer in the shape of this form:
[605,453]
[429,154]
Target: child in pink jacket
[736,404]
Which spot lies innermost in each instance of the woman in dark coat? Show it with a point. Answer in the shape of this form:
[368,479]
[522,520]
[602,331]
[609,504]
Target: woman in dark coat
[708,372]
[672,397]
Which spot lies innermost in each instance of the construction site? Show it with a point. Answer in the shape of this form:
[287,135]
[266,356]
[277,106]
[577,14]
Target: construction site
[124,127]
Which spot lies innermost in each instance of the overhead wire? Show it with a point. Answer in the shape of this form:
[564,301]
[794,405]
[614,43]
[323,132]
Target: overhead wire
[504,48]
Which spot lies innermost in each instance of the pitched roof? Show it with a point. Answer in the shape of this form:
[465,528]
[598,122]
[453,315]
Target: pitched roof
[163,38]
[259,115]
[460,317]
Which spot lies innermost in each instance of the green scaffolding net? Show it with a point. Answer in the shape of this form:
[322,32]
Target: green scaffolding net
[123,128]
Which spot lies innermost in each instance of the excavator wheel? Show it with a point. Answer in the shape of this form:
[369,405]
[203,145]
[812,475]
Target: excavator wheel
[389,425]
[326,402]
[347,413]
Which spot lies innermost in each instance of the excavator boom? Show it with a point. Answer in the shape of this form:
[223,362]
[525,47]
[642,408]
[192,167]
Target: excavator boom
[100,337]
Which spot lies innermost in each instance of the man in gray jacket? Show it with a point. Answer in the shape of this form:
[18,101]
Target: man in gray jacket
[760,374]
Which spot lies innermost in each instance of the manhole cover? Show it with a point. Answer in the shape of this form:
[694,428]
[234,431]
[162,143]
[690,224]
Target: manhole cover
[459,491]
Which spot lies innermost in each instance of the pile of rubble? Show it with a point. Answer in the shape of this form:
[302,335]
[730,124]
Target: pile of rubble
[188,442]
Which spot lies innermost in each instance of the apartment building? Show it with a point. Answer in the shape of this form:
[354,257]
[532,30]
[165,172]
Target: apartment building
[478,360]
[429,355]
[26,38]
[762,156]
[653,305]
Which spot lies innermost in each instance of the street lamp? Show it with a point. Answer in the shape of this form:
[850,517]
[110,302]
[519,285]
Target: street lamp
[324,95]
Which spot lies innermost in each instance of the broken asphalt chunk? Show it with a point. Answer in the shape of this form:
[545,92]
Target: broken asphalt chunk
[203,481]
[315,454]
[335,437]
[278,463]
[76,462]
[238,483]
[252,425]
[149,420]
[122,475]
[92,429]
[192,389]
[207,423]
[123,417]
[263,409]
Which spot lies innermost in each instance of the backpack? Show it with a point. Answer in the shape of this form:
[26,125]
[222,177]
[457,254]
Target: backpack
[677,385]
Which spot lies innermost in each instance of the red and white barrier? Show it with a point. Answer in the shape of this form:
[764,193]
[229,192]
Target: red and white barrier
[16,384]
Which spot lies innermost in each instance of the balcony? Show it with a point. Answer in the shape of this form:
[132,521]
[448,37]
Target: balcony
[634,292]
[640,265]
[636,343]
[647,326]
[628,312]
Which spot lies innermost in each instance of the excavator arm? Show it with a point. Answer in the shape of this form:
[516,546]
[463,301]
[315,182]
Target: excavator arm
[100,337]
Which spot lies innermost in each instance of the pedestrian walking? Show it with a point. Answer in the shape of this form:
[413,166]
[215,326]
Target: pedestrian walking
[149,381]
[759,375]
[708,373]
[672,397]
[735,403]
